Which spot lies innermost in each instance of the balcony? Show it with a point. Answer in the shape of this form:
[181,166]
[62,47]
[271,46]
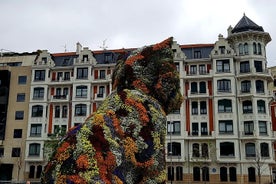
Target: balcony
[248,135]
[106,78]
[198,94]
[59,98]
[61,80]
[99,96]
[197,74]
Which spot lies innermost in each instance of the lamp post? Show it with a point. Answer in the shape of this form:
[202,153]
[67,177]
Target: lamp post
[170,129]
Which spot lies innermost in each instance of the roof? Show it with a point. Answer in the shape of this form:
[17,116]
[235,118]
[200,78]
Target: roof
[196,46]
[246,24]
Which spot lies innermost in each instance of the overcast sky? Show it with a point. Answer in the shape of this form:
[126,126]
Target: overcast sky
[56,25]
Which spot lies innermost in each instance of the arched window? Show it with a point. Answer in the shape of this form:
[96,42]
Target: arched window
[224,85]
[233,174]
[254,48]
[196,174]
[259,86]
[245,86]
[194,107]
[37,111]
[247,106]
[205,174]
[224,105]
[39,171]
[80,110]
[259,49]
[246,49]
[261,106]
[179,173]
[241,49]
[170,173]
[250,150]
[264,149]
[176,148]
[204,150]
[34,149]
[32,171]
[202,87]
[194,87]
[251,174]
[195,150]
[223,174]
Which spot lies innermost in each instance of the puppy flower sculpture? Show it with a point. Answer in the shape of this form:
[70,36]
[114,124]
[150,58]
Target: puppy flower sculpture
[123,142]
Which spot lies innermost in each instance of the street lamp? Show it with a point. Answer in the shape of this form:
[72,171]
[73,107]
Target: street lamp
[170,130]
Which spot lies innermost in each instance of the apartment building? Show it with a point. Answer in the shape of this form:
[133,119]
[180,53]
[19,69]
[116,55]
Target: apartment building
[15,73]
[224,130]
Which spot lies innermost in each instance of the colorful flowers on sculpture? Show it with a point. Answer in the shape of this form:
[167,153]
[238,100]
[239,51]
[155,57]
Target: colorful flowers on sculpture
[123,141]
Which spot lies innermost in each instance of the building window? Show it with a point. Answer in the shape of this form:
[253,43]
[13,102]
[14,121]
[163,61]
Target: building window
[102,74]
[193,69]
[250,150]
[202,70]
[196,150]
[35,130]
[197,54]
[38,93]
[224,85]
[17,133]
[173,127]
[259,49]
[34,149]
[248,127]
[194,87]
[205,174]
[16,152]
[82,73]
[246,49]
[39,171]
[80,110]
[247,107]
[176,148]
[202,87]
[223,174]
[264,149]
[85,57]
[222,49]
[107,57]
[101,92]
[227,149]
[64,111]
[66,76]
[37,111]
[223,66]
[81,91]
[261,106]
[39,75]
[233,174]
[65,91]
[245,86]
[262,128]
[259,86]
[258,66]
[204,128]
[19,115]
[226,127]
[57,111]
[224,105]
[244,67]
[170,173]
[196,174]
[179,173]
[194,108]
[22,79]
[241,49]
[59,76]
[20,97]
[203,107]
[194,128]
[204,150]
[32,171]
[251,174]
[1,152]
[254,48]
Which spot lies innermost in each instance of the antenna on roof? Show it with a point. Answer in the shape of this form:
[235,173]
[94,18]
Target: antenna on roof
[64,46]
[104,46]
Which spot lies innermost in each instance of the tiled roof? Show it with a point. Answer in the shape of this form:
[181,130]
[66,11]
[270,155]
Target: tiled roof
[195,46]
[245,24]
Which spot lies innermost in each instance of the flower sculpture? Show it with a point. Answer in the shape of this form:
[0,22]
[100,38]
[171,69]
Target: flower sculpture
[123,141]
